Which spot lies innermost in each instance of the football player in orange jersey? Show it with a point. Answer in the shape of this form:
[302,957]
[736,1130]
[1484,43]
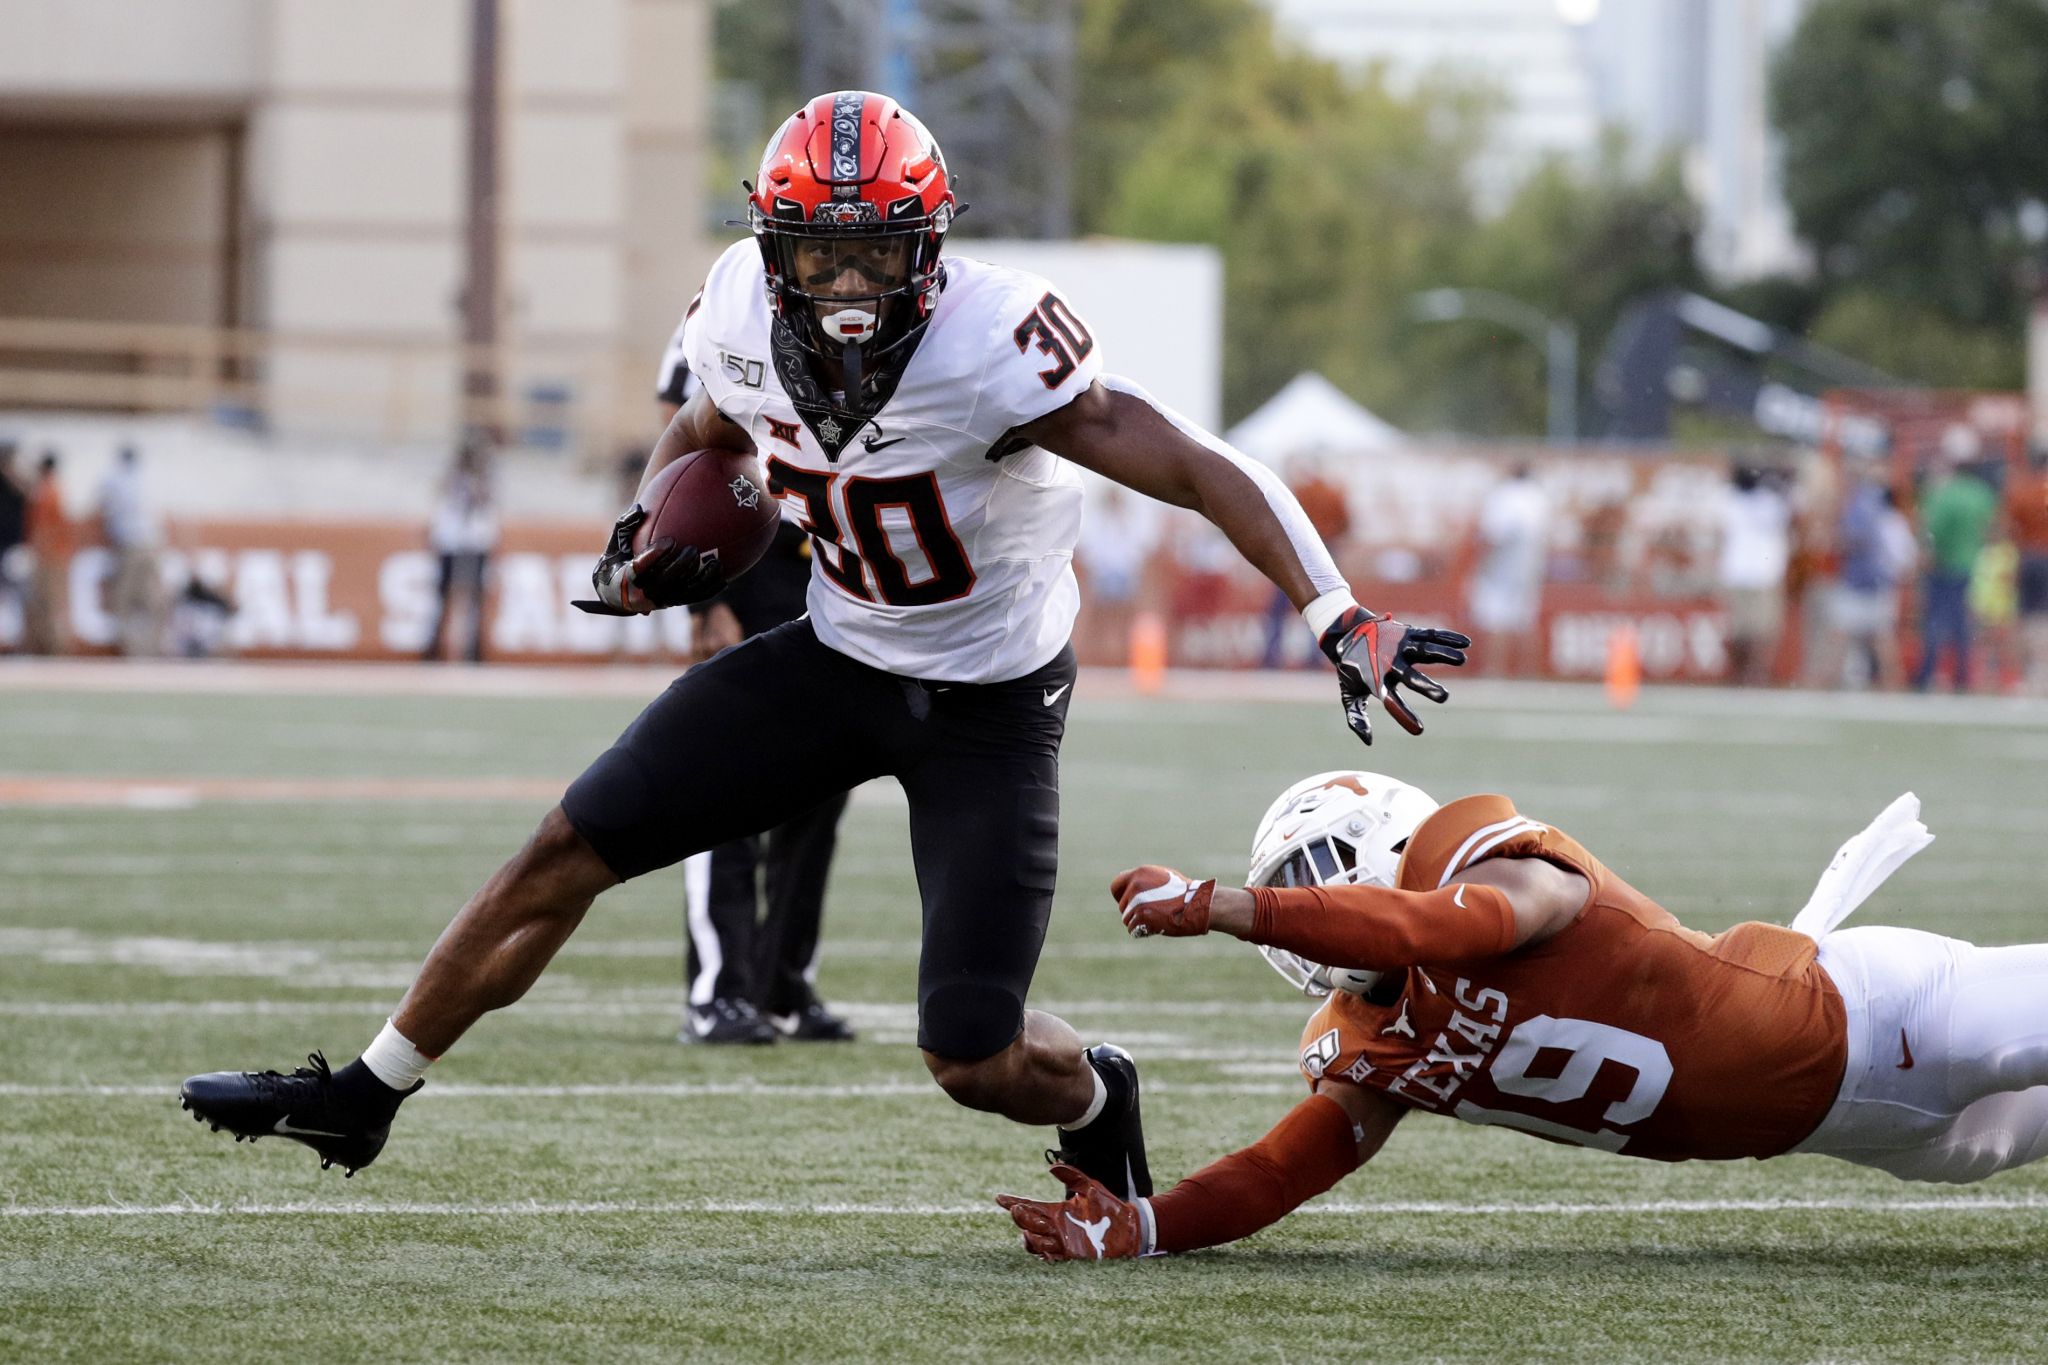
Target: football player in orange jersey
[1477,963]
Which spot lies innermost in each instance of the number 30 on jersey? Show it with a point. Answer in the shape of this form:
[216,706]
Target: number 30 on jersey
[851,518]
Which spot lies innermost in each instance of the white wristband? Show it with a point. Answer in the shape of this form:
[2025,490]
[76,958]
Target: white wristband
[1148,1230]
[1326,609]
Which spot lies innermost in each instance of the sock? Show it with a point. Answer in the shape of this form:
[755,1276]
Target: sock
[394,1061]
[1095,1105]
[357,1087]
[1109,1098]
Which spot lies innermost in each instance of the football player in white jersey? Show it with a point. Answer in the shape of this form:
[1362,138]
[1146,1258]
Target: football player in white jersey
[923,418]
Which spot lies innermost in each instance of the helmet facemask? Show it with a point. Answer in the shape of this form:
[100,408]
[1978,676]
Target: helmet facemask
[850,297]
[1335,829]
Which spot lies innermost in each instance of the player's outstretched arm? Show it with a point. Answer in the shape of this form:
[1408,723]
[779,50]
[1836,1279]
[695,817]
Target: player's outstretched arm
[1501,905]
[1319,1142]
[1115,429]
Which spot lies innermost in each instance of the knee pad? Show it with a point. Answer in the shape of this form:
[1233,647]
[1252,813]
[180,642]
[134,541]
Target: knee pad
[967,1021]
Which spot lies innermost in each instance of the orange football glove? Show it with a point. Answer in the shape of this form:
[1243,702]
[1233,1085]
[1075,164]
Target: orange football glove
[1091,1224]
[1158,900]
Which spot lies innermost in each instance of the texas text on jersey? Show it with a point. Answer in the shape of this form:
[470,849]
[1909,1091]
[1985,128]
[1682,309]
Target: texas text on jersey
[943,550]
[1552,1040]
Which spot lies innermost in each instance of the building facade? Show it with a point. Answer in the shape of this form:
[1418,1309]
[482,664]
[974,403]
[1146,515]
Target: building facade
[298,169]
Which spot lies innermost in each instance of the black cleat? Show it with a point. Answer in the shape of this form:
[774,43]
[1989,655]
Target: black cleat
[813,1024]
[303,1106]
[727,1019]
[1111,1149]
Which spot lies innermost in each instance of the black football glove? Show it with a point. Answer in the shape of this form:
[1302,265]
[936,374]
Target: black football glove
[663,575]
[1375,654]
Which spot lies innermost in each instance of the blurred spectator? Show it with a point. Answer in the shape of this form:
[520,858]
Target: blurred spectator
[462,534]
[1506,590]
[1955,514]
[2026,508]
[1324,504]
[13,530]
[1756,549]
[1117,536]
[50,543]
[1674,558]
[1994,608]
[1814,572]
[1604,524]
[128,525]
[198,624]
[1876,553]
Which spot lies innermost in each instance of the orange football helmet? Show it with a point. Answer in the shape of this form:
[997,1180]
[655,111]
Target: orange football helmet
[851,207]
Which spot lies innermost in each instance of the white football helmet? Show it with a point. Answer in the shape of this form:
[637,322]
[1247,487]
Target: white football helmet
[1334,829]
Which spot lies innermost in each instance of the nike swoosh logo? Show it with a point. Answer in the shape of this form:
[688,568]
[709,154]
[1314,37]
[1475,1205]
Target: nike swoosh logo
[1906,1048]
[1096,1232]
[1053,694]
[872,444]
[284,1126]
[1459,899]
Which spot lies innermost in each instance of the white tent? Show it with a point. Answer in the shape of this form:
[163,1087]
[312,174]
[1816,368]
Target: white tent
[1312,416]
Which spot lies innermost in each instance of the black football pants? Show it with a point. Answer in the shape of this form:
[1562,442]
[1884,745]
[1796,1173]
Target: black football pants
[776,725]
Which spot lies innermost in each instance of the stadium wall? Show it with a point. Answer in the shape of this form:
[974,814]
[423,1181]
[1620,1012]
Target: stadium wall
[1631,545]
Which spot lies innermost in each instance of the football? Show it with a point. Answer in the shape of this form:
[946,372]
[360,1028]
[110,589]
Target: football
[716,500]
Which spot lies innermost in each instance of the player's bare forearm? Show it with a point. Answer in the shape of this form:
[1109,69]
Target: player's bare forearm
[1124,438]
[697,425]
[1230,912]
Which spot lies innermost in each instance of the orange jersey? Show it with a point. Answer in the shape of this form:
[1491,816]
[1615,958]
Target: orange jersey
[1626,1031]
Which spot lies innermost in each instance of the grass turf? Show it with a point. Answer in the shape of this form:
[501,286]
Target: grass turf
[805,1203]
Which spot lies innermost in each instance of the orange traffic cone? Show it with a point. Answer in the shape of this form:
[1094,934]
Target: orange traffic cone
[1148,653]
[1624,667]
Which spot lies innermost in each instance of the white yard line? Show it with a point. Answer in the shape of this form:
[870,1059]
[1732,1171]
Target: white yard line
[775,1209]
[168,1089]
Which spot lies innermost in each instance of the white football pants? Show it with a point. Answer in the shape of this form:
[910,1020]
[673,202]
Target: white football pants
[1948,1055]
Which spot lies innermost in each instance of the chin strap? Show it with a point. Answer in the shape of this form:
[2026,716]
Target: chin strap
[850,363]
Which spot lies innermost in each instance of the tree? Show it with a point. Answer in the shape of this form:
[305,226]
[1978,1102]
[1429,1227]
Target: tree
[1331,199]
[1579,241]
[1135,61]
[1919,344]
[1916,150]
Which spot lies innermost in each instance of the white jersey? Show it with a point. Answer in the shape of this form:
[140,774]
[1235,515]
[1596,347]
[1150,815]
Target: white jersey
[944,546]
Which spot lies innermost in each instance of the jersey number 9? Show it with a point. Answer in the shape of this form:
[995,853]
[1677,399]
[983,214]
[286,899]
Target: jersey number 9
[1589,1045]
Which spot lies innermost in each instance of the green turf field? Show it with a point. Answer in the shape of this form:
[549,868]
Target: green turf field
[573,1185]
